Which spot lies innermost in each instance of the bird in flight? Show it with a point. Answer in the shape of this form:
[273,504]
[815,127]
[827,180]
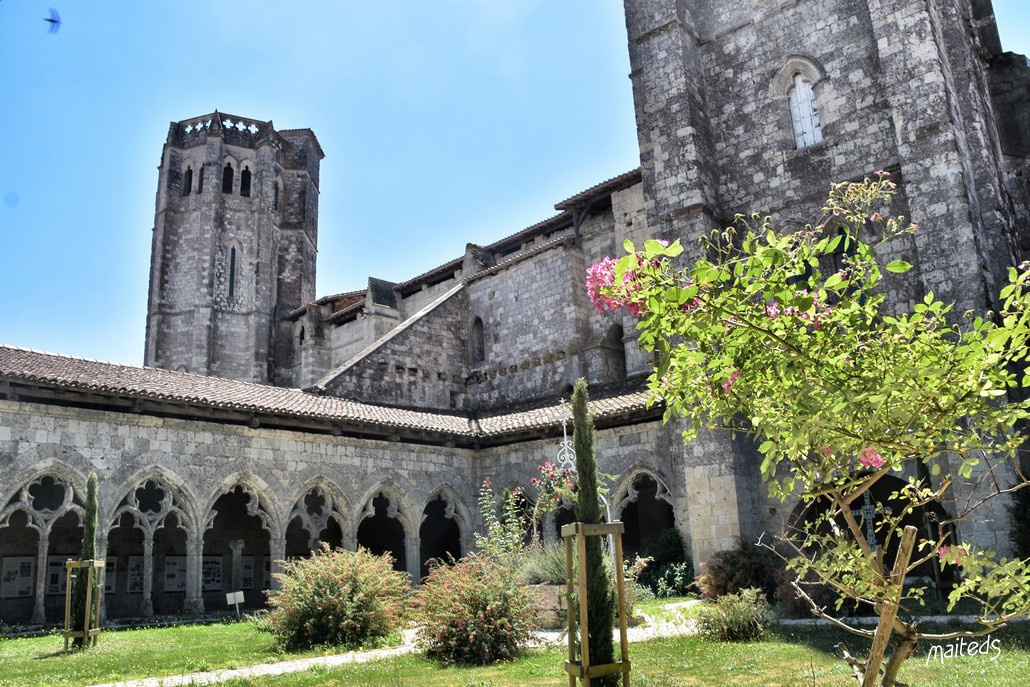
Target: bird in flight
[54,20]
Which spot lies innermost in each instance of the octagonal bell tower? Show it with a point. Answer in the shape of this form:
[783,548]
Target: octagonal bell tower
[234,245]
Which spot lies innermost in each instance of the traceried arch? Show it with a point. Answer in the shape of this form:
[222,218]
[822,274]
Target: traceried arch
[444,528]
[49,506]
[151,517]
[382,532]
[644,504]
[317,516]
[238,533]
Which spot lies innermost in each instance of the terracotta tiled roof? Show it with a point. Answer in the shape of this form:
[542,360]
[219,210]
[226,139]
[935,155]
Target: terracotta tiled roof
[606,403]
[145,383]
[28,368]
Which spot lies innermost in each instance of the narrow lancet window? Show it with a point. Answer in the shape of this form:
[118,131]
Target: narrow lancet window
[200,180]
[187,181]
[477,344]
[245,182]
[804,114]
[232,273]
[275,196]
[227,178]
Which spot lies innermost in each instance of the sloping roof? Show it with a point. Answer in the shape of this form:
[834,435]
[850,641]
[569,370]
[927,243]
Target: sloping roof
[602,189]
[146,383]
[389,336]
[23,370]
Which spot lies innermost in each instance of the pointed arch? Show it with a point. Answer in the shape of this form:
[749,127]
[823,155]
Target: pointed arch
[643,502]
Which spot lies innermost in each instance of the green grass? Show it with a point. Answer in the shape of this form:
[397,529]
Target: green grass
[798,658]
[790,656]
[128,654]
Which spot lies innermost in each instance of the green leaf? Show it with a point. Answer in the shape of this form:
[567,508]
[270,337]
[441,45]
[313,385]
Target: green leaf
[898,267]
[628,245]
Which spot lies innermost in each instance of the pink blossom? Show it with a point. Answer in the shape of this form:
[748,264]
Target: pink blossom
[773,309]
[871,459]
[601,275]
[827,451]
[727,386]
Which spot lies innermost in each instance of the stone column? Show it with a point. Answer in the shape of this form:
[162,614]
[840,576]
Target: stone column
[349,541]
[102,556]
[411,545]
[194,601]
[38,609]
[277,550]
[236,577]
[147,603]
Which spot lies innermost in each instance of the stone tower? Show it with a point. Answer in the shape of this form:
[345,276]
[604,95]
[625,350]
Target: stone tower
[234,246]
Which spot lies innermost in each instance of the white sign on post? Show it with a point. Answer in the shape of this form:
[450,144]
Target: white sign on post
[235,598]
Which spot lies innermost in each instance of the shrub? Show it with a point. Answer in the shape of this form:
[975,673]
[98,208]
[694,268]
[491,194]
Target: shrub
[728,572]
[673,579]
[793,606]
[543,564]
[735,617]
[336,597]
[474,611]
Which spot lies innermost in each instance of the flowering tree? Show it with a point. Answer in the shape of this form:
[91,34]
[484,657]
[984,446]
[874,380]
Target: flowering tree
[787,336]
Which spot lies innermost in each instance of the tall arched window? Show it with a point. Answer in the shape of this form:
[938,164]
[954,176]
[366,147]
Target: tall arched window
[275,195]
[803,113]
[477,345]
[245,182]
[227,178]
[187,181]
[200,180]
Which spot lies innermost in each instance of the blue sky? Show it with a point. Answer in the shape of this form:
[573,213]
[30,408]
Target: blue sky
[443,122]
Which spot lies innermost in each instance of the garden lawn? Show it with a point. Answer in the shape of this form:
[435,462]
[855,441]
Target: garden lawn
[128,654]
[797,658]
[791,656]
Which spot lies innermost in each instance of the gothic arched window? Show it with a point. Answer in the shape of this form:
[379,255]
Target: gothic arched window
[200,180]
[227,178]
[275,195]
[245,182]
[187,181]
[477,344]
[804,113]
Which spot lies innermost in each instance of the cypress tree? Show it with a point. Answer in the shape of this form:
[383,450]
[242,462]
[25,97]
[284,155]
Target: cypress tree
[601,601]
[79,611]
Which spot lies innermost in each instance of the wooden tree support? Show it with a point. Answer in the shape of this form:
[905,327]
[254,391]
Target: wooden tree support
[90,625]
[575,535]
